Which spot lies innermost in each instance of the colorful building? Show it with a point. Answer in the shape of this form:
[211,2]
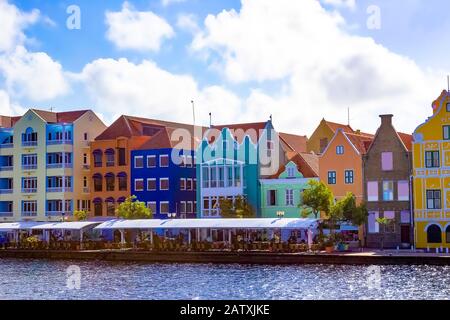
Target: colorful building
[431,176]
[111,160]
[281,194]
[387,173]
[323,134]
[44,169]
[340,165]
[163,176]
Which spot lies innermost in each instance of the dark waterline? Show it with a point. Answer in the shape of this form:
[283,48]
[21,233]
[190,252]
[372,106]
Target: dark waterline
[42,279]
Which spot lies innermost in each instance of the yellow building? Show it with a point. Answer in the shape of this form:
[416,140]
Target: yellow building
[431,174]
[323,134]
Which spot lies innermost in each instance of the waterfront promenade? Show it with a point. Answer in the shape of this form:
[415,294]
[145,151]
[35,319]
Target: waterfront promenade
[386,257]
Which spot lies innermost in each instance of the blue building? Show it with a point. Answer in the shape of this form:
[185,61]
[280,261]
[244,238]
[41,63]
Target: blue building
[163,176]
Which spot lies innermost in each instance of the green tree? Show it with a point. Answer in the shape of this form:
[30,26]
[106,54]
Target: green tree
[240,208]
[80,215]
[132,209]
[317,197]
[383,222]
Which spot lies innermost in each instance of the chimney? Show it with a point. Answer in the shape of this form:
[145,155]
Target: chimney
[386,119]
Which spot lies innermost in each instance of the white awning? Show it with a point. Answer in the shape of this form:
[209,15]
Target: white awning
[76,225]
[251,223]
[21,225]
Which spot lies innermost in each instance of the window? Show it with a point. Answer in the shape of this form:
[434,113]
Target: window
[348,176]
[291,172]
[110,182]
[122,183]
[189,207]
[446,132]
[432,159]
[405,217]
[434,199]
[403,190]
[182,184]
[110,208]
[183,207]
[388,191]
[29,208]
[331,177]
[98,209]
[151,184]
[97,158]
[29,185]
[122,156]
[164,161]
[29,161]
[85,136]
[98,184]
[189,184]
[390,227]
[138,162]
[84,182]
[139,184]
[339,149]
[151,161]
[447,234]
[271,198]
[374,226]
[372,191]
[164,207]
[164,184]
[152,206]
[110,159]
[434,234]
[84,158]
[387,162]
[289,197]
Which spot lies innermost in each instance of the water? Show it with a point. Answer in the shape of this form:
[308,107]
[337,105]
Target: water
[42,279]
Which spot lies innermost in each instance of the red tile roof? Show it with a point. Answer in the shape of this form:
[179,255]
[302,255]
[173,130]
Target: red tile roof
[334,126]
[296,143]
[60,117]
[8,122]
[307,164]
[361,142]
[163,140]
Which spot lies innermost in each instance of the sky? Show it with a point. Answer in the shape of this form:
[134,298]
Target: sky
[240,60]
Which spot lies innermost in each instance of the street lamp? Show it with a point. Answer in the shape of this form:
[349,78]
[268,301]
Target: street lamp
[280,214]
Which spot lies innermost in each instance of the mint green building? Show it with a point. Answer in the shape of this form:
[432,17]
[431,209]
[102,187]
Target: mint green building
[282,193]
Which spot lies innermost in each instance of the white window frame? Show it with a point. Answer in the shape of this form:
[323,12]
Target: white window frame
[191,203]
[162,203]
[289,197]
[149,203]
[163,156]
[149,157]
[192,185]
[184,180]
[136,180]
[163,179]
[138,157]
[151,179]
[183,204]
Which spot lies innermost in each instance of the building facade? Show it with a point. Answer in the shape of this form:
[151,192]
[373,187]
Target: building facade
[43,174]
[431,177]
[323,134]
[387,186]
[164,177]
[281,195]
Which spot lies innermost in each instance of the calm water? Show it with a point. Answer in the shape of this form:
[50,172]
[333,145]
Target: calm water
[38,279]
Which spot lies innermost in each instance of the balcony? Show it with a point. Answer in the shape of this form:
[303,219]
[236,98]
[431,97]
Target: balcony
[28,167]
[58,213]
[86,190]
[86,167]
[6,191]
[6,145]
[29,213]
[29,143]
[6,214]
[29,190]
[59,189]
[54,165]
[58,142]
[110,163]
[6,168]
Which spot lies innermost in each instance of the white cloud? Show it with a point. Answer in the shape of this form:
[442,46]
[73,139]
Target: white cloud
[325,69]
[120,86]
[137,30]
[33,75]
[13,21]
[188,22]
[169,2]
[351,4]
[7,107]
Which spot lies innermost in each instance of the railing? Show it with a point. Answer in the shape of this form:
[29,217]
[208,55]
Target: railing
[59,189]
[29,190]
[6,191]
[29,166]
[29,213]
[110,163]
[86,190]
[97,164]
[58,165]
[6,213]
[6,145]
[58,213]
[29,143]
[86,167]
[6,168]
[53,142]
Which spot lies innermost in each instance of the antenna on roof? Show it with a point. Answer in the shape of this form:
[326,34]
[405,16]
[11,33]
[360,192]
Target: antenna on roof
[193,110]
[348,116]
[210,120]
[448,83]
[271,118]
[51,109]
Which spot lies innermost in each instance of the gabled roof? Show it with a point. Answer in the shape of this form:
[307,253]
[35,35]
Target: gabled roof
[360,142]
[8,122]
[239,131]
[334,126]
[307,164]
[296,143]
[407,140]
[129,126]
[60,117]
[162,140]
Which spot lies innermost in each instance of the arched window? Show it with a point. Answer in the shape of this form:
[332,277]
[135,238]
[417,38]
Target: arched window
[109,177]
[122,179]
[97,182]
[110,207]
[447,234]
[109,157]
[98,154]
[29,138]
[434,234]
[97,207]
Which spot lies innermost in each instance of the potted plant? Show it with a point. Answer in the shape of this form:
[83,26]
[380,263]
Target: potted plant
[328,243]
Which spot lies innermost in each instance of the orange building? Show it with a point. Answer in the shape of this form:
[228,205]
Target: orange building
[341,164]
[110,155]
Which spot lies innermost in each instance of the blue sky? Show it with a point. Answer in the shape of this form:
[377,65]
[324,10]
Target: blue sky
[229,75]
